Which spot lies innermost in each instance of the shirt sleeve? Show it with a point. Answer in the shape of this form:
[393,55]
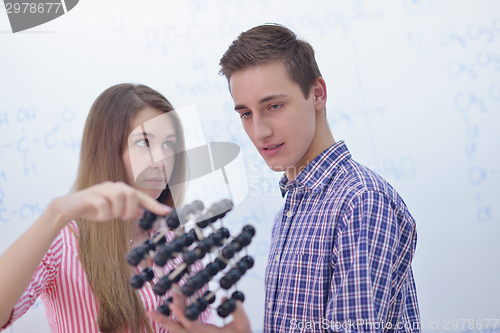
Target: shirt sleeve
[371,257]
[41,280]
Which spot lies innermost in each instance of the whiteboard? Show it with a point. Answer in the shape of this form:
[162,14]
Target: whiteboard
[413,90]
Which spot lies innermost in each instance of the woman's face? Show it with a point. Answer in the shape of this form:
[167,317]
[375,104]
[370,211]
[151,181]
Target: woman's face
[150,155]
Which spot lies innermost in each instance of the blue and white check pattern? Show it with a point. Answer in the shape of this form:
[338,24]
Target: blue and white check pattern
[341,252]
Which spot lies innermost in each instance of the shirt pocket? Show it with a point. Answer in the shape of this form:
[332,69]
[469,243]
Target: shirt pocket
[306,284]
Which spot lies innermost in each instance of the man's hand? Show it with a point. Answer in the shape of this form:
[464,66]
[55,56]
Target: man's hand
[240,323]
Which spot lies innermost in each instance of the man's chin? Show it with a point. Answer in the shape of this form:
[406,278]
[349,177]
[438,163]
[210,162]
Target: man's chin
[276,168]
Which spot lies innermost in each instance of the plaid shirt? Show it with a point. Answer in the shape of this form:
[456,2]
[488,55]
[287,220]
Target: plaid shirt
[341,252]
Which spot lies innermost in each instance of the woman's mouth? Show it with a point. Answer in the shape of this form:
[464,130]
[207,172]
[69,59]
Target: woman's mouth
[156,180]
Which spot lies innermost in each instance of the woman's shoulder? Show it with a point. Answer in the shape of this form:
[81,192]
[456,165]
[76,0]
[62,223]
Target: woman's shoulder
[71,229]
[66,240]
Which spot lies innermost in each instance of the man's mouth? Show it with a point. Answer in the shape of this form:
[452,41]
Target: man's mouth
[273,147]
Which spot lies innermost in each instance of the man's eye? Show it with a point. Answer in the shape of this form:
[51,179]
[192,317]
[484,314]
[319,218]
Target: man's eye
[246,115]
[275,106]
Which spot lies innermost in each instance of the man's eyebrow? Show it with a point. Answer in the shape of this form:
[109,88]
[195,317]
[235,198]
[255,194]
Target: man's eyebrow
[271,97]
[240,107]
[263,100]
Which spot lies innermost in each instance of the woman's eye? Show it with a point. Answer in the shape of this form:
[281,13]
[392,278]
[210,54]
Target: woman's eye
[143,143]
[169,144]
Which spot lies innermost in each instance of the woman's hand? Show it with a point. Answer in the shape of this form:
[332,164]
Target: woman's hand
[100,202]
[106,201]
[240,323]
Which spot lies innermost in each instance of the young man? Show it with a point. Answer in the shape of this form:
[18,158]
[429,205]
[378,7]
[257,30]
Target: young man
[342,246]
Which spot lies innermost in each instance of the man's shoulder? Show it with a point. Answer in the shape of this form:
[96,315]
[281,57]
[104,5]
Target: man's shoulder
[352,180]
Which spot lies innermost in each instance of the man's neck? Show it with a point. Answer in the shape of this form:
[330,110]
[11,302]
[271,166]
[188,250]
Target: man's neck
[323,139]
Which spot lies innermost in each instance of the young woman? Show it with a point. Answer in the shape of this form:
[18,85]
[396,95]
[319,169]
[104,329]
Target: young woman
[76,264]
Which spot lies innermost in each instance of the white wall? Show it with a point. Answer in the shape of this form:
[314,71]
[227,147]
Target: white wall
[413,88]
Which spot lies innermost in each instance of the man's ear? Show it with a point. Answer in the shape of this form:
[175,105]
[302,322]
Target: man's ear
[318,91]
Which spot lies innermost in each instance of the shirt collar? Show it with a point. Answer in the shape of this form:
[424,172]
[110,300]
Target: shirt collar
[317,174]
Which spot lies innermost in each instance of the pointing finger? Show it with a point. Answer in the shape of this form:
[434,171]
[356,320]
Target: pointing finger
[152,205]
[166,322]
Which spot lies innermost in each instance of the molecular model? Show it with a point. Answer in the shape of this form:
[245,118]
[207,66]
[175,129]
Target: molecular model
[191,246]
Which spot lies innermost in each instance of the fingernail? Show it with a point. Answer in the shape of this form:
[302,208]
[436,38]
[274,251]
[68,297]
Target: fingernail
[177,289]
[166,208]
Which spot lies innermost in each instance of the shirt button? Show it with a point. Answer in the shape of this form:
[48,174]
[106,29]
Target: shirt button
[289,213]
[277,257]
[270,305]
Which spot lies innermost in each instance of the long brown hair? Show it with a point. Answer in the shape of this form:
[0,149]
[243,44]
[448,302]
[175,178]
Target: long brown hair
[103,246]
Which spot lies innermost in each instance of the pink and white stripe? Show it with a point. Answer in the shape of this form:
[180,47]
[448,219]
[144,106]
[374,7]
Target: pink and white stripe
[69,302]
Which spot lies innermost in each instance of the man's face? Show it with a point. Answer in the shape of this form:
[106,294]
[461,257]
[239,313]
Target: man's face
[276,116]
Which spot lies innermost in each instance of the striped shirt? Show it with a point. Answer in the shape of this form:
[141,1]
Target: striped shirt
[341,252]
[70,305]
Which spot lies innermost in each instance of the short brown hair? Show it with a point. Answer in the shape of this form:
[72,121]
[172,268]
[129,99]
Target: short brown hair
[268,43]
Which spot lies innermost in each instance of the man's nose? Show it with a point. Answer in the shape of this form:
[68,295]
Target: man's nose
[262,128]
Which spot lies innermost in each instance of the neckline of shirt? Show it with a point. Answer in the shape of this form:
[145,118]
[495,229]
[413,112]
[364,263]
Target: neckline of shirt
[316,175]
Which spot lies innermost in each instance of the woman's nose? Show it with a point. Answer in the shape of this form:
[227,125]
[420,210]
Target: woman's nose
[156,154]
[157,164]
